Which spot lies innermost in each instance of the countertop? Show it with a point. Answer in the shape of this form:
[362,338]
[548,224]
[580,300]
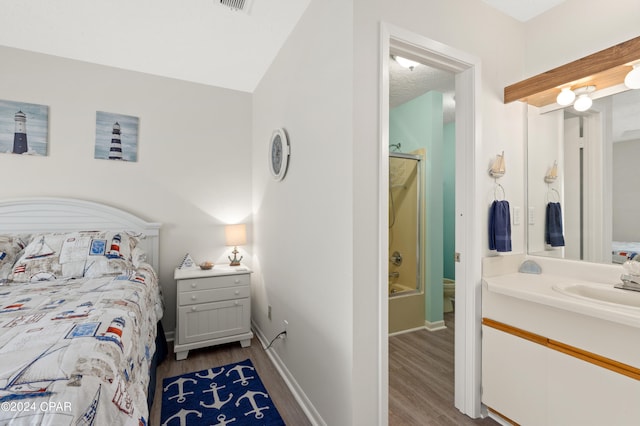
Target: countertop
[538,288]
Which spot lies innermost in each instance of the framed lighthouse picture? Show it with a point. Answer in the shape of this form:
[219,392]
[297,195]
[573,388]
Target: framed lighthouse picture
[24,128]
[116,137]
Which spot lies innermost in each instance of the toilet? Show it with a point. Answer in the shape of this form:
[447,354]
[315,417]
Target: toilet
[449,294]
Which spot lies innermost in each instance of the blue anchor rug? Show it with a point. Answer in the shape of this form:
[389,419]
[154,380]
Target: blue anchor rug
[232,395]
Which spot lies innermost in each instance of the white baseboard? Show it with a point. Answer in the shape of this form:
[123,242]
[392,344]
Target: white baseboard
[435,326]
[408,330]
[302,399]
[170,336]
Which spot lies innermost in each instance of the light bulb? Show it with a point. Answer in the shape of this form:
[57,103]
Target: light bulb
[583,103]
[632,80]
[566,97]
[407,63]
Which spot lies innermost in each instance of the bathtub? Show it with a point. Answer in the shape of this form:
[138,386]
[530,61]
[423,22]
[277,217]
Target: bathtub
[406,308]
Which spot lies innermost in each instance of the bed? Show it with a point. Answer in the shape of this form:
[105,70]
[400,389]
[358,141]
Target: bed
[80,310]
[624,250]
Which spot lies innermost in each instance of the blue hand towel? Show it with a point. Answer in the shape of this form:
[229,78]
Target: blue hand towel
[553,225]
[500,226]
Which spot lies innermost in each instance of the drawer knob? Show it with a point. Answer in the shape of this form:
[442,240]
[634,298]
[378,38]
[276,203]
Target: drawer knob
[237,292]
[237,303]
[193,285]
[193,297]
[193,308]
[237,281]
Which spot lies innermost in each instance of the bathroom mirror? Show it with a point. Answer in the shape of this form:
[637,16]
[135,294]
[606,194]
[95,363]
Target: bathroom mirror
[582,196]
[595,181]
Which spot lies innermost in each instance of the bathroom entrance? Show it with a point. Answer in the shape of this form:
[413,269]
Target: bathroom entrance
[466,72]
[421,122]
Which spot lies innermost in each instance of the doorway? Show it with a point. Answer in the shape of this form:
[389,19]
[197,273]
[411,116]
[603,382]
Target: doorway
[466,69]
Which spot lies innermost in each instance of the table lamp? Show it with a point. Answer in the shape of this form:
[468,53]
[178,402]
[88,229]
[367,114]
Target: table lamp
[236,235]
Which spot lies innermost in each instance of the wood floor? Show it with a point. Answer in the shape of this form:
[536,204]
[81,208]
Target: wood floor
[202,359]
[421,384]
[420,378]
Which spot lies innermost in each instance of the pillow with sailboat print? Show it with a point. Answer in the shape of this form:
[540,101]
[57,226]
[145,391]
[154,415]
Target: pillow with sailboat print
[74,255]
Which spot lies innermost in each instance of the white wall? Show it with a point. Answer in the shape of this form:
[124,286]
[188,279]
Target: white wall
[466,25]
[577,28]
[194,155]
[303,224]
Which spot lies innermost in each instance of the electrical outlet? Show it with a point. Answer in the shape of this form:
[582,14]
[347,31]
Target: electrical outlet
[269,312]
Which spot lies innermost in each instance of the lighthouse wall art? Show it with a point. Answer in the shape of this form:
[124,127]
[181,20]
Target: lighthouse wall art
[24,128]
[116,137]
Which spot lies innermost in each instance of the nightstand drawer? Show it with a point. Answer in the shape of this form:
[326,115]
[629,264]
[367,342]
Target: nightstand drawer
[215,295]
[209,283]
[213,320]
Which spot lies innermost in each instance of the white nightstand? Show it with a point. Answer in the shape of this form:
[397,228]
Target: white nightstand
[212,307]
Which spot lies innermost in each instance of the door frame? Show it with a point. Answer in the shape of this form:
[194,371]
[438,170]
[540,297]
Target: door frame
[468,272]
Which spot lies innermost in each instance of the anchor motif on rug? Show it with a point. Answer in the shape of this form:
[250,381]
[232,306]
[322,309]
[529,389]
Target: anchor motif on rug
[250,396]
[217,402]
[181,393]
[243,380]
[210,374]
[222,419]
[182,415]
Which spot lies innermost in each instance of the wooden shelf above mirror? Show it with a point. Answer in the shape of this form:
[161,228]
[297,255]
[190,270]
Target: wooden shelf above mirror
[602,69]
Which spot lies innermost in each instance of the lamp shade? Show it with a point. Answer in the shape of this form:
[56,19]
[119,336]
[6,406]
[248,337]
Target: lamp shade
[236,235]
[583,103]
[632,80]
[566,97]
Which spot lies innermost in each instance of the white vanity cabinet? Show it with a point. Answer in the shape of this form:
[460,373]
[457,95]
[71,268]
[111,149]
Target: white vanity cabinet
[514,377]
[212,307]
[552,360]
[582,393]
[531,384]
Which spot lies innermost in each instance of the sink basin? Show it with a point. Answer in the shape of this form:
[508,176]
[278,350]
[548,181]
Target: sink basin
[602,293]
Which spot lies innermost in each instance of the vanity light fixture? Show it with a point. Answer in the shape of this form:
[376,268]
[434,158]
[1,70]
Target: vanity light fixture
[566,96]
[632,79]
[406,63]
[584,101]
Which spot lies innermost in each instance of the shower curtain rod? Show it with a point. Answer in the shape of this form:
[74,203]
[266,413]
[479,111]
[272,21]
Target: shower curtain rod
[406,156]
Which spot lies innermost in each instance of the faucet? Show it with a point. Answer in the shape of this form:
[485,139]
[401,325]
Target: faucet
[629,282]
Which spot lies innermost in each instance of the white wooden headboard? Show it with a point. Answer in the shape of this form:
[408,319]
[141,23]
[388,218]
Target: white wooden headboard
[30,215]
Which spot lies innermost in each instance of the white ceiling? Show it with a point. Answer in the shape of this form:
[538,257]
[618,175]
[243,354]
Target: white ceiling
[523,10]
[407,84]
[200,40]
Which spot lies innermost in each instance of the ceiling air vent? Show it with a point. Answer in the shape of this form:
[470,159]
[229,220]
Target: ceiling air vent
[242,5]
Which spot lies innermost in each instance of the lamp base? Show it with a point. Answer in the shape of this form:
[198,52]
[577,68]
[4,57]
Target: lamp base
[235,261]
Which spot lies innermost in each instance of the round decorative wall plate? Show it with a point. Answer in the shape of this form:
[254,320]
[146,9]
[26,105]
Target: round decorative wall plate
[279,154]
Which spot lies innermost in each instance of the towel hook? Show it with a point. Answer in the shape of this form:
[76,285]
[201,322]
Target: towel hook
[549,194]
[495,192]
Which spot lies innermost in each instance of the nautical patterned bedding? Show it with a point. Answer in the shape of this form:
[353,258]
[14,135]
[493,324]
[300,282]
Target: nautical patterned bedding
[624,250]
[77,349]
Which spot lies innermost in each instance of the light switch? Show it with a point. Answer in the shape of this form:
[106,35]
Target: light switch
[532,216]
[516,215]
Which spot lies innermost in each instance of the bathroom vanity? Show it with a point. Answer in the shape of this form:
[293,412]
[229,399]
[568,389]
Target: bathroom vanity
[561,347]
